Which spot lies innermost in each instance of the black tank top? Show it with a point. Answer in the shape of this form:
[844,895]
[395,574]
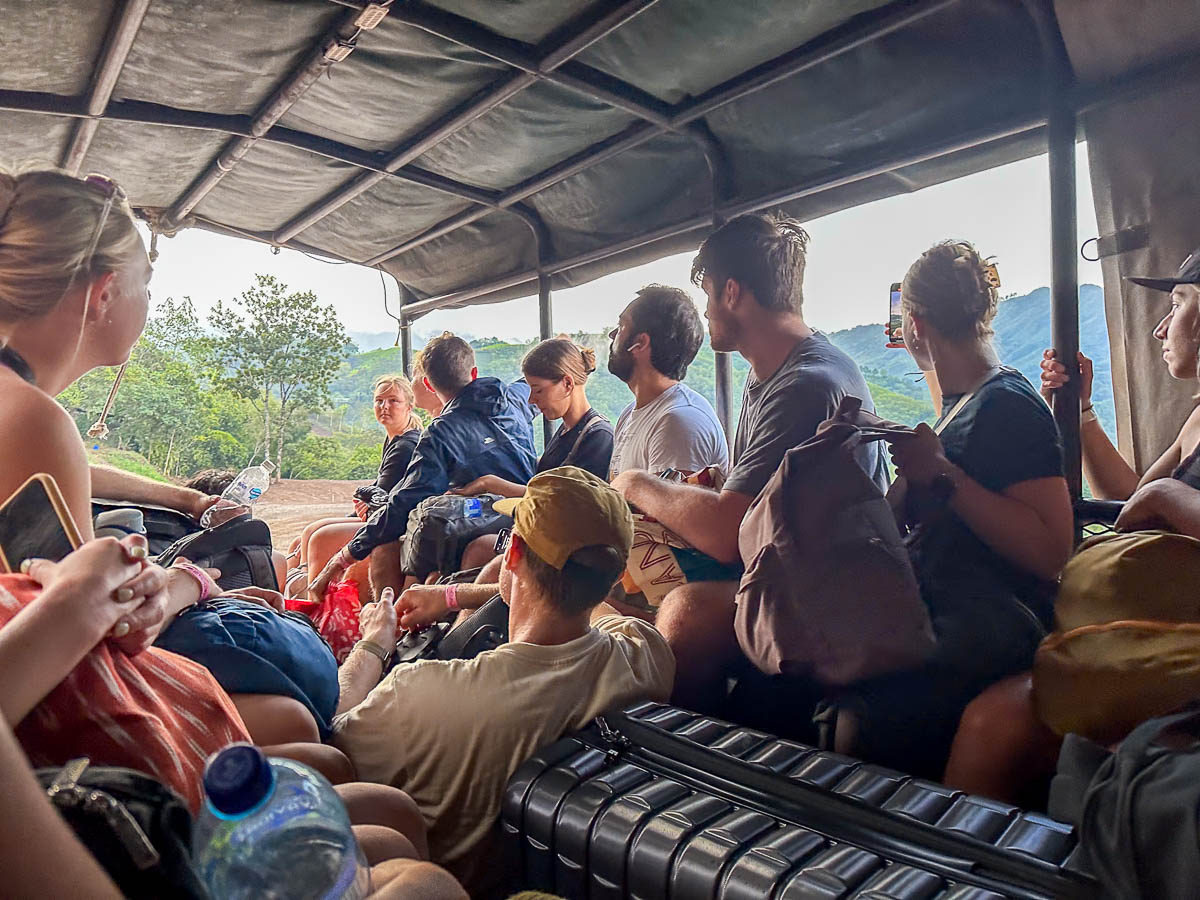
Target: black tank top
[11,358]
[1188,471]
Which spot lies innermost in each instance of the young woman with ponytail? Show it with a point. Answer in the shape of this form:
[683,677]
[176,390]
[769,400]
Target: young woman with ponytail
[987,511]
[556,371]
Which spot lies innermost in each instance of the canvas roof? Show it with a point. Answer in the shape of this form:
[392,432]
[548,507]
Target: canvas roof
[464,146]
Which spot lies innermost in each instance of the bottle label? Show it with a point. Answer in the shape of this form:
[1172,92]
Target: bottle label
[291,801]
[255,493]
[473,508]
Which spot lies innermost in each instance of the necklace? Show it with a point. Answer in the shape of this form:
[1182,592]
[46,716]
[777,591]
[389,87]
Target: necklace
[16,362]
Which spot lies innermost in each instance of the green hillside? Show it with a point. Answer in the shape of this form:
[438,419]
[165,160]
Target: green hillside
[1022,329]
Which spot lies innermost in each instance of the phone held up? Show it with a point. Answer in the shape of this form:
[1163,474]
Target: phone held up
[35,523]
[895,328]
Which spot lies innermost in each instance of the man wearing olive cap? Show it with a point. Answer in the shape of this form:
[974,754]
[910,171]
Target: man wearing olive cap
[450,733]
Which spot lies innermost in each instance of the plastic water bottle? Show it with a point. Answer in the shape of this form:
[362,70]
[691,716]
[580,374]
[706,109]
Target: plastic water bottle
[119,523]
[273,829]
[251,483]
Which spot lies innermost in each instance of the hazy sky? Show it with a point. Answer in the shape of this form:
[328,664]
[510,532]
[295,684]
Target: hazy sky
[854,257]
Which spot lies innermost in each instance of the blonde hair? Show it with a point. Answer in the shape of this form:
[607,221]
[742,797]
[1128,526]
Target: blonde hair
[951,287]
[48,220]
[558,357]
[404,386]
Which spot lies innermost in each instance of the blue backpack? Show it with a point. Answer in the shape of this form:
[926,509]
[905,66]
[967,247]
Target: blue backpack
[254,650]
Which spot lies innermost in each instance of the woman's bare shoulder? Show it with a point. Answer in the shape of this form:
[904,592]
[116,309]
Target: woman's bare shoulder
[36,435]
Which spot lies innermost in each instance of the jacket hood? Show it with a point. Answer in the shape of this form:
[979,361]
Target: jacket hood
[483,395]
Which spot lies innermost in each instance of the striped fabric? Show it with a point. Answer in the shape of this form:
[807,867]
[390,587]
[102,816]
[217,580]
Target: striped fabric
[155,712]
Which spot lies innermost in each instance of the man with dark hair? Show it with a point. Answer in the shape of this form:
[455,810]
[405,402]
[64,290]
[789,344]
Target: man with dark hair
[484,429]
[668,425]
[751,269]
[451,733]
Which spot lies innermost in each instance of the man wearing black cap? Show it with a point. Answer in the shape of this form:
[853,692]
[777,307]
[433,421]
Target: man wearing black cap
[1168,494]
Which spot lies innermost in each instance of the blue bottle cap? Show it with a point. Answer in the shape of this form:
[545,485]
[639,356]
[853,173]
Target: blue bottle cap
[237,779]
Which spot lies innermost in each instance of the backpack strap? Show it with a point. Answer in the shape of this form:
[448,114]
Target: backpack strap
[588,426]
[261,568]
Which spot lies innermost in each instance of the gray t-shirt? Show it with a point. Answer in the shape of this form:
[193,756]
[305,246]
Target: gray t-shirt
[783,411]
[676,430]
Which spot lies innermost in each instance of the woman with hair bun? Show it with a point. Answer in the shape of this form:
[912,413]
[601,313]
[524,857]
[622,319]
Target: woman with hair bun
[556,371]
[987,510]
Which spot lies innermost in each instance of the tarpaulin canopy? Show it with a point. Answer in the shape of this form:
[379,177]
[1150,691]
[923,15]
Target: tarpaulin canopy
[466,146]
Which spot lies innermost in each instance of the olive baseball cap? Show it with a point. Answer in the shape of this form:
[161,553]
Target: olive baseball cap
[1189,273]
[566,509]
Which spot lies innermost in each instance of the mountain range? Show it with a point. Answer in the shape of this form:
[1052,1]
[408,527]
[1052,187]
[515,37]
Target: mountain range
[1022,332]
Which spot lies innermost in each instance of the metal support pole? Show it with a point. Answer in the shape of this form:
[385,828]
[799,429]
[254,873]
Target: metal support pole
[406,353]
[1064,286]
[1061,132]
[723,377]
[546,331]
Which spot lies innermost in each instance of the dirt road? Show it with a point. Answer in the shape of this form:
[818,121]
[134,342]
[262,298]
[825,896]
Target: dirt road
[290,505]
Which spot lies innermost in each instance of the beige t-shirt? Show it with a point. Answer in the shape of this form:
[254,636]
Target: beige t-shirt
[452,733]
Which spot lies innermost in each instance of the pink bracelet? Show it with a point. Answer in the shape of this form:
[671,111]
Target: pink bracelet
[199,575]
[452,596]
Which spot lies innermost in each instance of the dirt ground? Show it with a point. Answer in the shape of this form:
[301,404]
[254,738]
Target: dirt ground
[290,505]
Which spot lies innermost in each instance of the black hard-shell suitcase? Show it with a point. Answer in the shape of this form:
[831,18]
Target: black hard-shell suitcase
[657,802]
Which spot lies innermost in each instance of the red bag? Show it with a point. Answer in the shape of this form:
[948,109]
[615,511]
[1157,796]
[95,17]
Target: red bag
[336,617]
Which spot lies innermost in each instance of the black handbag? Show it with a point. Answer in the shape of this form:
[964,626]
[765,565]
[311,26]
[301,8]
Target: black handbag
[139,830]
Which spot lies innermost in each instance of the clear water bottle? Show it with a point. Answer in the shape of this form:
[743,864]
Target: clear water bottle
[251,483]
[273,829]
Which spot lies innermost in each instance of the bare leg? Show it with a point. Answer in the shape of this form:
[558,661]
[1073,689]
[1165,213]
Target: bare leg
[1001,748]
[313,527]
[379,804]
[327,541]
[380,844]
[403,879]
[279,563]
[479,552]
[385,569]
[275,719]
[329,761]
[697,621]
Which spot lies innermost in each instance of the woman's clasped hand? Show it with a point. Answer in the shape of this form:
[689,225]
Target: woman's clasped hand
[110,584]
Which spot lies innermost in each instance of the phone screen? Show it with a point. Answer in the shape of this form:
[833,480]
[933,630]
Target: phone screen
[30,527]
[895,333]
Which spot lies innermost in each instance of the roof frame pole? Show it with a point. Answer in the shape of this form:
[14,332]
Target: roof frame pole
[117,45]
[546,331]
[405,330]
[841,40]
[1062,131]
[583,36]
[334,46]
[720,179]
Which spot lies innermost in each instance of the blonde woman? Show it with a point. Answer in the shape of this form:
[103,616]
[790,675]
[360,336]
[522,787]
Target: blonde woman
[394,406]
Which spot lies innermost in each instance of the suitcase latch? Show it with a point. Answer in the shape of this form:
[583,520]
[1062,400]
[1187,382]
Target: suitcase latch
[616,741]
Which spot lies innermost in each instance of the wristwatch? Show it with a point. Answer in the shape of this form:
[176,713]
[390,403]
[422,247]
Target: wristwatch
[943,487]
[375,650]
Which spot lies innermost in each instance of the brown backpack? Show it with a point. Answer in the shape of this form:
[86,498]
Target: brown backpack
[829,592]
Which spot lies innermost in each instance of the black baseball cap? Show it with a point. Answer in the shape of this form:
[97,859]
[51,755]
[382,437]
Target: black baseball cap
[1189,273]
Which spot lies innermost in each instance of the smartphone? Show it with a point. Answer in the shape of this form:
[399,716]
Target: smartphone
[35,522]
[895,329]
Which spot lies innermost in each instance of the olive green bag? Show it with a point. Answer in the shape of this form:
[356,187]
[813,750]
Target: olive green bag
[1126,645]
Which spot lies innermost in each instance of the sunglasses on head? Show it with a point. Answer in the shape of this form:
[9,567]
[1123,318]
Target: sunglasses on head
[503,539]
[112,193]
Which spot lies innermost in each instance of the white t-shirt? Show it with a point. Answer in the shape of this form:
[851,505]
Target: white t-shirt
[451,733]
[677,430]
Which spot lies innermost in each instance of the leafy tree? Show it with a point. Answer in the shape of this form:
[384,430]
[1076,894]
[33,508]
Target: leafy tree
[279,350]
